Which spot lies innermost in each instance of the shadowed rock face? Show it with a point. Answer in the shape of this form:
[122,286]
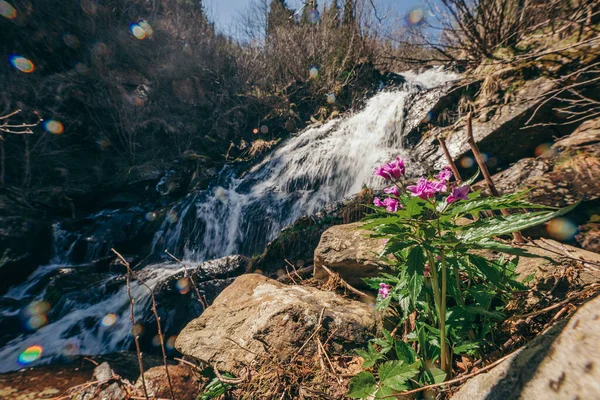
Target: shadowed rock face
[560,364]
[349,251]
[256,315]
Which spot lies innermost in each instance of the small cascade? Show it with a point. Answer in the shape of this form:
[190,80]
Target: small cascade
[70,307]
[319,166]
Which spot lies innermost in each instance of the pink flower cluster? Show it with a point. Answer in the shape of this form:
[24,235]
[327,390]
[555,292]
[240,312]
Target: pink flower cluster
[391,170]
[424,188]
[384,290]
[390,204]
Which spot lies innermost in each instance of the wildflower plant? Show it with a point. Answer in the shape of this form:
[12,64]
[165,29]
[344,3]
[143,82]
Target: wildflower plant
[450,299]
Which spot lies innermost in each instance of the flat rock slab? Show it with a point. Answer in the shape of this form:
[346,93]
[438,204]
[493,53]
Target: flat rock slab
[563,363]
[256,316]
[350,252]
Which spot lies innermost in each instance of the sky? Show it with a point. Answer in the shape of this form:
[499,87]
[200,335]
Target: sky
[225,12]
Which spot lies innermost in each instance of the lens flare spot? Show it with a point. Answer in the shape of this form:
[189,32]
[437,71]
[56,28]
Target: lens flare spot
[137,329]
[172,217]
[542,148]
[36,322]
[38,308]
[156,341]
[54,127]
[331,98]
[255,131]
[467,162]
[313,72]
[221,194]
[22,64]
[146,27]
[82,69]
[7,10]
[151,216]
[415,17]
[109,320]
[183,285]
[137,31]
[30,355]
[561,229]
[264,129]
[171,342]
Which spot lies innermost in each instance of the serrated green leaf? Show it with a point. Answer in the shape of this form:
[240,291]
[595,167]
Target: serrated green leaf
[371,355]
[511,201]
[509,224]
[384,392]
[404,352]
[362,386]
[395,374]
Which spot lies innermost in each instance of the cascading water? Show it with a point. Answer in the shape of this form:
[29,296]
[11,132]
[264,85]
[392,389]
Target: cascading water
[320,165]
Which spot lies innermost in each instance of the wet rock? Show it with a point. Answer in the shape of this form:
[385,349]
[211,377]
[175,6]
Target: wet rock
[24,245]
[257,316]
[177,299]
[349,251]
[560,364]
[184,382]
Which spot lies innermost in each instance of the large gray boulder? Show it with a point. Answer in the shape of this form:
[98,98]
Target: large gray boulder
[257,316]
[350,252]
[560,364]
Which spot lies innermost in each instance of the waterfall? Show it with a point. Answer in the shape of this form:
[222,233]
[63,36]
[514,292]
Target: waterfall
[319,166]
[237,214]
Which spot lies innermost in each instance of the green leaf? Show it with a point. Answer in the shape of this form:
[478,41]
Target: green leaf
[371,355]
[384,392]
[465,348]
[395,374]
[490,244]
[435,375]
[509,224]
[511,201]
[394,245]
[362,386]
[404,352]
[473,178]
[414,269]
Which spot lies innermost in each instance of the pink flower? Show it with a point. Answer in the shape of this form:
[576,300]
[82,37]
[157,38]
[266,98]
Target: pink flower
[391,170]
[444,175]
[424,189]
[427,271]
[384,290]
[459,193]
[392,190]
[390,204]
